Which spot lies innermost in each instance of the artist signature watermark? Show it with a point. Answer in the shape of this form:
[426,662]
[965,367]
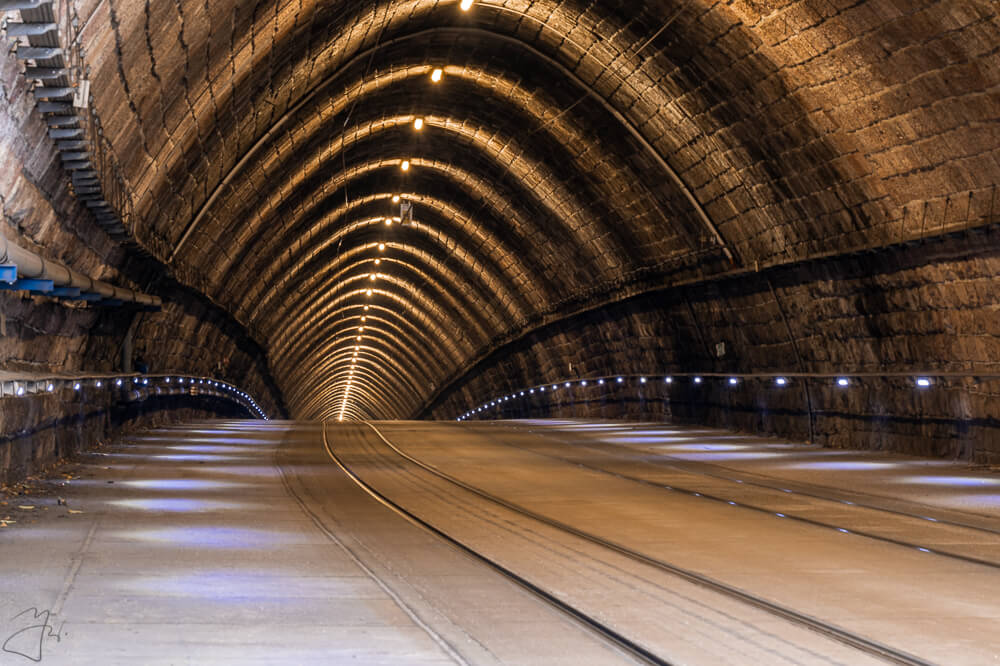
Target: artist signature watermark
[33,629]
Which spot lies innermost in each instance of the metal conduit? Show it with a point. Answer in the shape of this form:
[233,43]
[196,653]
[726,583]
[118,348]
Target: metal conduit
[31,265]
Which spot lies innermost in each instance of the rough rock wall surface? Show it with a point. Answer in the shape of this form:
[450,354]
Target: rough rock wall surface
[40,335]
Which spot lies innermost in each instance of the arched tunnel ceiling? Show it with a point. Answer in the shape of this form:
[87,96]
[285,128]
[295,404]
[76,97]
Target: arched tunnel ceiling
[569,149]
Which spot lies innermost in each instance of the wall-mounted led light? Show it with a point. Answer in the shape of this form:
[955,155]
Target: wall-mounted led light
[418,124]
[118,382]
[76,386]
[697,380]
[733,381]
[583,383]
[781,381]
[98,383]
[542,389]
[20,390]
[843,381]
[642,380]
[621,380]
[50,387]
[923,382]
[405,166]
[361,329]
[567,384]
[531,390]
[436,75]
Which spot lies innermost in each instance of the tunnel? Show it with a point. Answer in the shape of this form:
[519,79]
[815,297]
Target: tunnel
[500,331]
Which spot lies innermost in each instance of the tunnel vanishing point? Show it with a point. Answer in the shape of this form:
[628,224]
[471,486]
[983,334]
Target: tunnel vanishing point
[500,331]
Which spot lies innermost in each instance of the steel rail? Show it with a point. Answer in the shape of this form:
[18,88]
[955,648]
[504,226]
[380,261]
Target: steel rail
[858,642]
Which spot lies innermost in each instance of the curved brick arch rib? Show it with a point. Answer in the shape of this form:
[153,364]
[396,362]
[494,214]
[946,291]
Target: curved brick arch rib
[388,145]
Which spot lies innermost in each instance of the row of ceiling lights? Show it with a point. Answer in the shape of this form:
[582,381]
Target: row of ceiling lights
[418,124]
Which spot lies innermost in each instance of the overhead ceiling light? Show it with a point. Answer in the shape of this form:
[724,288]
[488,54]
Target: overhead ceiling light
[366,308]
[381,247]
[406,165]
[395,198]
[388,221]
[364,318]
[436,75]
[368,292]
[465,5]
[378,261]
[372,277]
[418,124]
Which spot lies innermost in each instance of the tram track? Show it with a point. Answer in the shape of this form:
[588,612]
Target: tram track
[843,636]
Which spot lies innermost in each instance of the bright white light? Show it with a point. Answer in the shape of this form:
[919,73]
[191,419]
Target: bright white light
[601,382]
[20,390]
[405,166]
[567,384]
[583,383]
[369,292]
[99,384]
[372,277]
[697,380]
[843,381]
[378,261]
[780,381]
[465,5]
[118,382]
[418,124]
[395,198]
[642,380]
[50,388]
[76,386]
[436,75]
[733,381]
[923,382]
[381,247]
[621,380]
[388,221]
[359,337]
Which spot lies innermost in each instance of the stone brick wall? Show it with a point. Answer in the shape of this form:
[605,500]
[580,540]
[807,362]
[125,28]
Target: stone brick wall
[912,308]
[40,335]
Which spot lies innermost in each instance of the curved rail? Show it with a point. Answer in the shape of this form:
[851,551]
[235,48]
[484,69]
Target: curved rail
[861,643]
[617,639]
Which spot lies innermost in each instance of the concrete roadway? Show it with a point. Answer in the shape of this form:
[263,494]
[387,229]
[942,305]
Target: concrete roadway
[244,542]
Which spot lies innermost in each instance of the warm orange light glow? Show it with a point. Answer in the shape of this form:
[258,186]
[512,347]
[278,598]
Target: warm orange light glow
[378,261]
[406,165]
[381,247]
[418,124]
[436,75]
